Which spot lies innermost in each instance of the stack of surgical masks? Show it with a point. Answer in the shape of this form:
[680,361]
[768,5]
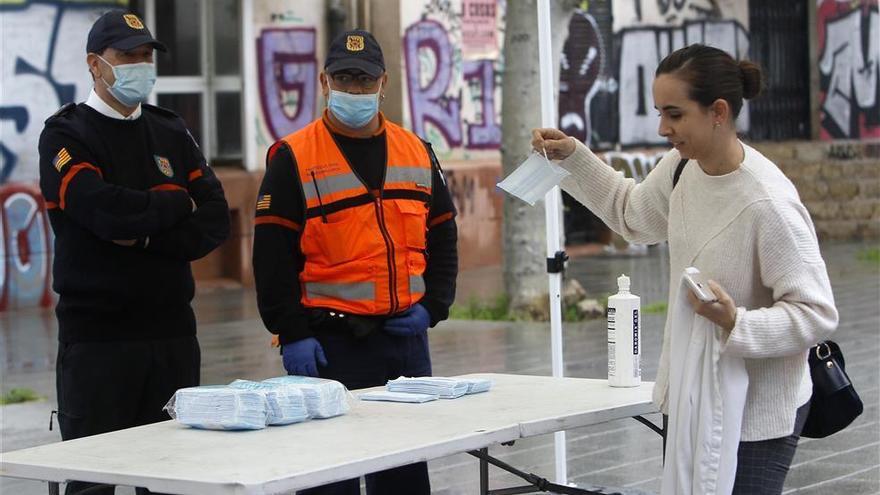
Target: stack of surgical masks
[285,404]
[219,408]
[445,388]
[324,398]
[477,385]
[384,395]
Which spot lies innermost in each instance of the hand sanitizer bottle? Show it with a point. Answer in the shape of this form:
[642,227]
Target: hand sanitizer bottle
[624,348]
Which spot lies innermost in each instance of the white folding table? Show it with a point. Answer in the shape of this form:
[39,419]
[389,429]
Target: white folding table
[171,458]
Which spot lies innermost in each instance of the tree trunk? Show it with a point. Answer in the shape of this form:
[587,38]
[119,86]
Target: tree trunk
[524,242]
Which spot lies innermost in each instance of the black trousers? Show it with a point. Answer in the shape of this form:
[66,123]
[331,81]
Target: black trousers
[108,386]
[368,361]
[762,466]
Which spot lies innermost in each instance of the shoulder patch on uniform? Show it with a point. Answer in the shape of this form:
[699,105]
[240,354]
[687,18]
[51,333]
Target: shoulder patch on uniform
[61,159]
[65,109]
[264,202]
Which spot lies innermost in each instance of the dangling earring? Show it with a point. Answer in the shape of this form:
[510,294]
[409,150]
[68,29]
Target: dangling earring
[716,125]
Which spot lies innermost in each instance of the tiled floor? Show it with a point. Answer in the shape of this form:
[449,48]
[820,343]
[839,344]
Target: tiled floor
[621,453]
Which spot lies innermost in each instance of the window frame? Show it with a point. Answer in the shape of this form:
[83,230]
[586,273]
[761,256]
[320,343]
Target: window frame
[207,84]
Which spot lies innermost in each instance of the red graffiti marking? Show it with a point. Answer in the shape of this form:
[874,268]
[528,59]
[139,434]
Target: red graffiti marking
[26,244]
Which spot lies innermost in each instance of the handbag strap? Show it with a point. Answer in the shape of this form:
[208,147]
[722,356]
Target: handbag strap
[678,170]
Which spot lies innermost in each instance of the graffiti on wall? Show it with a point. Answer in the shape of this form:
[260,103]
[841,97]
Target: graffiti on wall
[25,248]
[641,13]
[42,67]
[606,75]
[849,64]
[450,100]
[581,67]
[287,66]
[634,164]
[641,51]
[427,49]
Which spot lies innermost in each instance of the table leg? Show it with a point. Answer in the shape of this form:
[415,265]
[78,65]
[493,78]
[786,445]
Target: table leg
[484,473]
[54,488]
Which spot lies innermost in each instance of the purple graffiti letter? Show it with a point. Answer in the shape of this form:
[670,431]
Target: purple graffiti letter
[430,103]
[287,69]
[486,135]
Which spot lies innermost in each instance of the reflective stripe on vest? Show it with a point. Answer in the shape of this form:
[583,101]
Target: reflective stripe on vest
[416,284]
[418,175]
[325,186]
[341,290]
[364,252]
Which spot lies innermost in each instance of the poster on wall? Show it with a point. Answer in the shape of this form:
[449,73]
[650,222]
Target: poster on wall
[452,88]
[479,30]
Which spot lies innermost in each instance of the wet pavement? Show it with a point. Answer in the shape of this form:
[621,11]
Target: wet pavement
[621,453]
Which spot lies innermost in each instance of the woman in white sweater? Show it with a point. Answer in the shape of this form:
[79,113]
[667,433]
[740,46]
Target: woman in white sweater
[737,218]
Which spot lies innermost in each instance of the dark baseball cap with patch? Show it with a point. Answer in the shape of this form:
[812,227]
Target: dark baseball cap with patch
[356,49]
[120,30]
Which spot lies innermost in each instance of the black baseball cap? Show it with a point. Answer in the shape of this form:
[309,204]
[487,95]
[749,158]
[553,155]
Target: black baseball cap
[356,49]
[120,30]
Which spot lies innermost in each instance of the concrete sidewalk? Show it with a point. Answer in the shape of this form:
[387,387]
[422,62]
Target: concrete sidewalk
[620,453]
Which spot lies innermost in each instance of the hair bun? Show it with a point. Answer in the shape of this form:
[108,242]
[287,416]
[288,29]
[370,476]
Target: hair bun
[750,74]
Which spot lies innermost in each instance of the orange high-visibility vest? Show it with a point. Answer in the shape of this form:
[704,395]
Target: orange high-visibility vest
[364,250]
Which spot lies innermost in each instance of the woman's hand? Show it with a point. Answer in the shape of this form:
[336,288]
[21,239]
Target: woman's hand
[557,145]
[721,312]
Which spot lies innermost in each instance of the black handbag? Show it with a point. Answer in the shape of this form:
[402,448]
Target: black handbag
[835,403]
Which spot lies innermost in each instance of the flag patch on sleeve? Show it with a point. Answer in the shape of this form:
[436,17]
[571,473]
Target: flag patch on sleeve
[61,159]
[264,202]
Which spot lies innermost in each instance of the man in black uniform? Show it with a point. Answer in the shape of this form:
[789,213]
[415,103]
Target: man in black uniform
[355,243]
[132,202]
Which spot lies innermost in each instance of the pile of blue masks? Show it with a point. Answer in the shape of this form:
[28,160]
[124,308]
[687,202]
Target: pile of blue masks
[445,388]
[219,408]
[324,398]
[285,404]
[383,395]
[477,385]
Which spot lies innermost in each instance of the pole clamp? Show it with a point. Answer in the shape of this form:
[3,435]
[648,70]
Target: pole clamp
[556,264]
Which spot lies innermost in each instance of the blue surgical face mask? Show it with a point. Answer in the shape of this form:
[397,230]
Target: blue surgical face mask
[134,82]
[355,111]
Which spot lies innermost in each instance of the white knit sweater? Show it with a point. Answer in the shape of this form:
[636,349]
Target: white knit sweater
[748,231]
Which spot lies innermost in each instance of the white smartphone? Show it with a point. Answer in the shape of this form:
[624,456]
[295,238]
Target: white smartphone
[699,284]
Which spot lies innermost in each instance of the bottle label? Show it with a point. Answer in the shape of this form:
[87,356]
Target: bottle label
[635,332]
[637,367]
[612,364]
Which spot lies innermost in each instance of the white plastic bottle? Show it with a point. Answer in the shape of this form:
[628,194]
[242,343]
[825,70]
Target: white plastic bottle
[624,347]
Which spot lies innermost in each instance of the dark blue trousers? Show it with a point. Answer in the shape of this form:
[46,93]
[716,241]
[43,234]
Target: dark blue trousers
[368,361]
[108,386]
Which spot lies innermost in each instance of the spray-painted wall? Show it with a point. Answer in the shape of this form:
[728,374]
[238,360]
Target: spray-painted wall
[849,64]
[289,50]
[42,67]
[451,77]
[605,81]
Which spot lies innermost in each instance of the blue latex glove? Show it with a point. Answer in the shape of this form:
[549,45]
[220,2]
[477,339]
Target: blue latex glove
[303,356]
[413,321]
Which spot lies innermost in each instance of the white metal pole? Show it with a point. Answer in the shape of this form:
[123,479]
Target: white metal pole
[249,89]
[551,220]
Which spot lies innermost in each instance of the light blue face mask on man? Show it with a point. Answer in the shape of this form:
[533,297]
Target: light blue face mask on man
[134,82]
[355,111]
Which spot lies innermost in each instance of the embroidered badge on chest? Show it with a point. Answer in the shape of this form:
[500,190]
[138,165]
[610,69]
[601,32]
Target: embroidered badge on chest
[164,165]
